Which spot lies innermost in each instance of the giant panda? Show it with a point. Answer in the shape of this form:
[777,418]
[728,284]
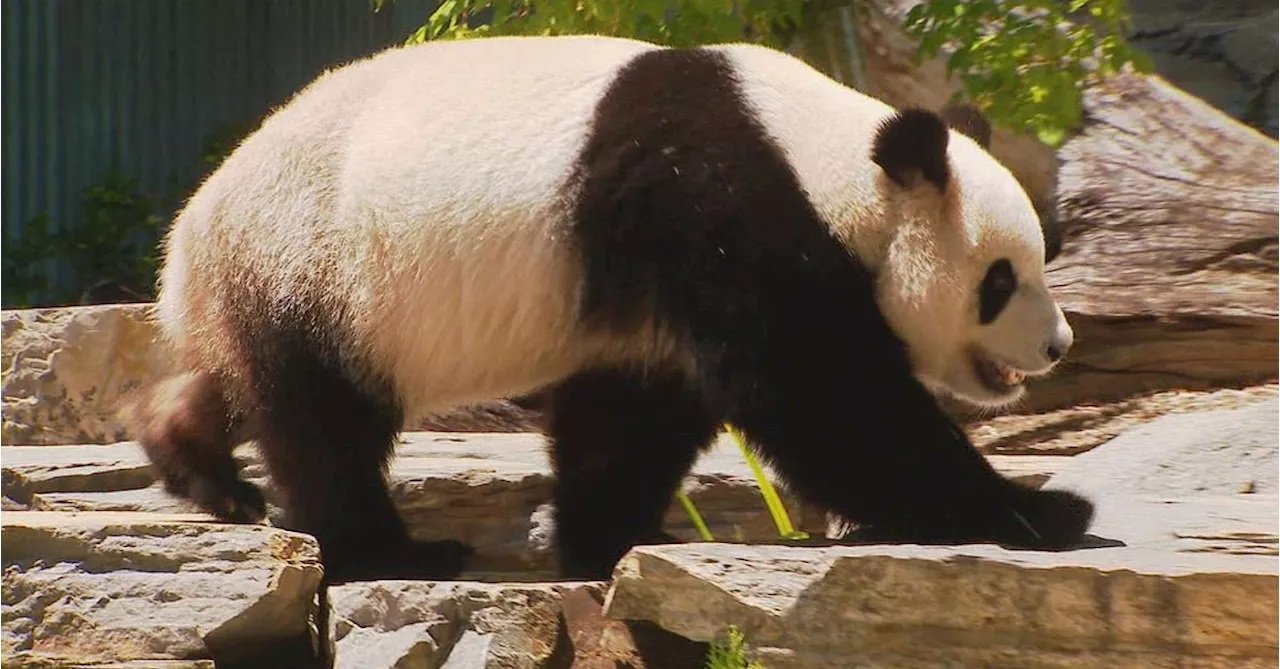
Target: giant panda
[661,240]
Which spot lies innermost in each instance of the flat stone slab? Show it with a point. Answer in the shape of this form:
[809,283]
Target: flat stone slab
[152,499]
[1222,452]
[95,588]
[28,470]
[492,490]
[917,606]
[31,662]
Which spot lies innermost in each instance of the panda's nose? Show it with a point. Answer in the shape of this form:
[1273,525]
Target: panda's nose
[1060,343]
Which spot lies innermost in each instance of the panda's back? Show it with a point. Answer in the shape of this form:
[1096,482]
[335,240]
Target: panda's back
[428,137]
[419,194]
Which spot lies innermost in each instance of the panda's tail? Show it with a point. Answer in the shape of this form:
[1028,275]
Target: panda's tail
[185,425]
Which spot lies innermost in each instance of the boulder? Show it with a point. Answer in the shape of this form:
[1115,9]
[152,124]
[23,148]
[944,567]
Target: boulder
[64,371]
[1222,51]
[96,588]
[463,624]
[493,625]
[1169,265]
[29,662]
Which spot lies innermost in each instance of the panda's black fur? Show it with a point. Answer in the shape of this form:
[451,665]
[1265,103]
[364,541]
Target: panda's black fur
[684,211]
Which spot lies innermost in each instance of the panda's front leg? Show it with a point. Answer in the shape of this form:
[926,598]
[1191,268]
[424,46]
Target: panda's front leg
[621,442]
[808,369]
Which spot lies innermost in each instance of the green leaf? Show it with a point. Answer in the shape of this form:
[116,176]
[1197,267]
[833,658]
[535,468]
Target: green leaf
[1054,136]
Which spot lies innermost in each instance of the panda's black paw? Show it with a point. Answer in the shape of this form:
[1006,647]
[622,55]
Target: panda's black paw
[1021,518]
[1047,519]
[231,501]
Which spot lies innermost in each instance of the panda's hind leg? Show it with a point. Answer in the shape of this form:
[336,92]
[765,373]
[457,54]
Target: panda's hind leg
[621,443]
[327,440]
[184,425]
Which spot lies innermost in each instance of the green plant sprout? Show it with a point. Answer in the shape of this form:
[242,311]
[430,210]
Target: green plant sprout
[696,517]
[772,500]
[731,652]
[770,494]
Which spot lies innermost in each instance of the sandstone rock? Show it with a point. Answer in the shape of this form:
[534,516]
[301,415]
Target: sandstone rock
[490,490]
[598,642]
[1226,452]
[152,499]
[97,588]
[1169,268]
[29,470]
[65,370]
[26,661]
[494,625]
[458,624]
[915,606]
[1224,52]
[495,416]
[1080,428]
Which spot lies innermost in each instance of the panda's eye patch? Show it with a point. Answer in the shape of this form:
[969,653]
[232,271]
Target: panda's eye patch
[997,287]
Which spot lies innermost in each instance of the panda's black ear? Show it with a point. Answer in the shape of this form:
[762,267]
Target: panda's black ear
[969,120]
[1052,230]
[910,145]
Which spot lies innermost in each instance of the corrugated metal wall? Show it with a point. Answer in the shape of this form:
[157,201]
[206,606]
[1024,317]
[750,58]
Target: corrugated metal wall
[91,86]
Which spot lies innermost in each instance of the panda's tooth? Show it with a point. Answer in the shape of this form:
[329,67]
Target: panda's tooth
[1011,376]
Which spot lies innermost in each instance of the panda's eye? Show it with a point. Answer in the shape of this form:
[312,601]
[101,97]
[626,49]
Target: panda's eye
[996,289]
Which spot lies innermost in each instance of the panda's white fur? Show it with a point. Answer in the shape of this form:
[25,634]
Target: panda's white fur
[432,195]
[414,215]
[436,184]
[928,272]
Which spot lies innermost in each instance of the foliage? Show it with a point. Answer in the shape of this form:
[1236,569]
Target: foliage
[670,22]
[221,142]
[117,240]
[24,261]
[731,652]
[1021,61]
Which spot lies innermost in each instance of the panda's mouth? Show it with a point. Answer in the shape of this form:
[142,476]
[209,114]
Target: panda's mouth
[998,377]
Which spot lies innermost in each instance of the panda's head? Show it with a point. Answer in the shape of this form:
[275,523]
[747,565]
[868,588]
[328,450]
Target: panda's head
[960,268]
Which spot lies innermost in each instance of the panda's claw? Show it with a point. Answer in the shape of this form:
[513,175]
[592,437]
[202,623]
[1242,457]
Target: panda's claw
[230,501]
[1025,524]
[1055,519]
[1036,520]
